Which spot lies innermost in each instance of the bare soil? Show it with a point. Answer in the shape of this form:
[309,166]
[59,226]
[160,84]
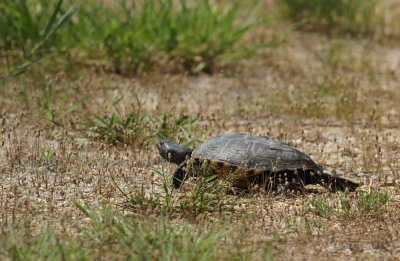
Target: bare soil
[351,128]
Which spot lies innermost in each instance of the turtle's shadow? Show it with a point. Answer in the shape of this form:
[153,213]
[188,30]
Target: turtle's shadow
[275,193]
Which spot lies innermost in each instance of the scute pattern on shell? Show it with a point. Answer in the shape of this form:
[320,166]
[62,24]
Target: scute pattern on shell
[254,152]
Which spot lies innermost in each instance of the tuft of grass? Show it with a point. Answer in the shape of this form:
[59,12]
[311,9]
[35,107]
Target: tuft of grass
[47,157]
[29,26]
[128,237]
[189,36]
[313,223]
[347,207]
[207,195]
[201,197]
[130,128]
[176,128]
[166,197]
[321,207]
[54,103]
[369,202]
[291,220]
[356,16]
[22,244]
[137,200]
[114,236]
[136,127]
[134,37]
[162,199]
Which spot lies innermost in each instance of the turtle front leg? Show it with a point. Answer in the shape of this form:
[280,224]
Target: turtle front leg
[179,175]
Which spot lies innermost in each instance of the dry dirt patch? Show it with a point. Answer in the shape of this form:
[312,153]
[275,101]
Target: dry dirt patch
[276,96]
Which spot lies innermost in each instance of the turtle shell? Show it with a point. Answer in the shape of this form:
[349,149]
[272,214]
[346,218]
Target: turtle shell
[247,156]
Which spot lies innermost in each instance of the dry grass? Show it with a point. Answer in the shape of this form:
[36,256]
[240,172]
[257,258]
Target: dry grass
[334,99]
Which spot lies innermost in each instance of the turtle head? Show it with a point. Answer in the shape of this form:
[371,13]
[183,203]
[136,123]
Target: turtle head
[172,151]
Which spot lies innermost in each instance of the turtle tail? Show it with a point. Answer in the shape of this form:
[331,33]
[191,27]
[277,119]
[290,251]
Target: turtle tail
[338,183]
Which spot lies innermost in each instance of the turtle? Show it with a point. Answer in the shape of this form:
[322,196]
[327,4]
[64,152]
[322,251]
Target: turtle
[249,160]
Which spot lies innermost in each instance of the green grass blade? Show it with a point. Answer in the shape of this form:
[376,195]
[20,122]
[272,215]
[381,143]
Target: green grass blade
[7,62]
[82,209]
[20,69]
[117,101]
[52,19]
[62,20]
[70,109]
[119,188]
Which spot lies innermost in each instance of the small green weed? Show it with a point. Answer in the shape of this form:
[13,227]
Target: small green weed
[53,103]
[207,195]
[167,195]
[117,128]
[175,128]
[291,220]
[369,202]
[137,199]
[321,207]
[47,157]
[136,127]
[312,223]
[346,205]
[202,197]
[349,207]
[161,200]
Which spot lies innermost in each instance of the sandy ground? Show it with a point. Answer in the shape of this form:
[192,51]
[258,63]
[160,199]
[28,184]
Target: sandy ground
[277,96]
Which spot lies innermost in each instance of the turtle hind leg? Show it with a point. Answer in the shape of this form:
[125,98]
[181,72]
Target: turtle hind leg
[338,183]
[179,175]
